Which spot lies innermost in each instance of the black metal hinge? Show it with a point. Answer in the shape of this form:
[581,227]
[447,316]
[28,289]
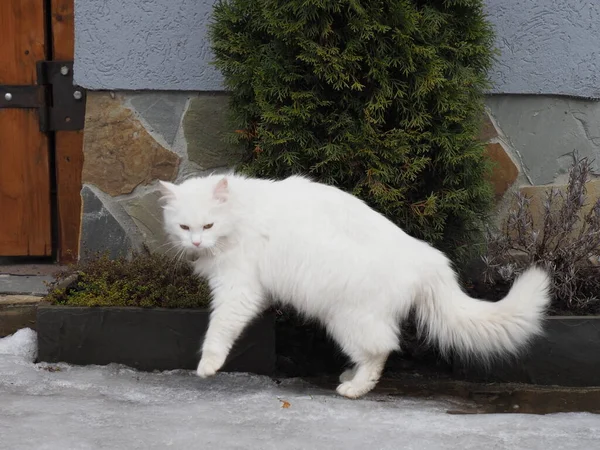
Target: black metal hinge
[61,105]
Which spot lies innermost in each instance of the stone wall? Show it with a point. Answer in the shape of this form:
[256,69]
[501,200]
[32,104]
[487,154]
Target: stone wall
[131,141]
[134,139]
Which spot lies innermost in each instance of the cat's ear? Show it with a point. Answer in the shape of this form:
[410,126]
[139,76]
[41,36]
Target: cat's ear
[167,190]
[221,191]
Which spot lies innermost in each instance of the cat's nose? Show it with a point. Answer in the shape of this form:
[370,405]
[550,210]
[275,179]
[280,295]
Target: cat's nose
[196,243]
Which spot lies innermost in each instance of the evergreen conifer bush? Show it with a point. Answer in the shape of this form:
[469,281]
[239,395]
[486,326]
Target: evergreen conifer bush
[382,98]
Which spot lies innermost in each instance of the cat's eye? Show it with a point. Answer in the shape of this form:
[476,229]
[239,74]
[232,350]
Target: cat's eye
[208,226]
[184,227]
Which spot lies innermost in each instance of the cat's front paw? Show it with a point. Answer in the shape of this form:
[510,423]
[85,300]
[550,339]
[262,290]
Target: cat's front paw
[209,365]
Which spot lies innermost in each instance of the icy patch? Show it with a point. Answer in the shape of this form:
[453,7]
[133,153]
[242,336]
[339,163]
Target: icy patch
[22,344]
[56,406]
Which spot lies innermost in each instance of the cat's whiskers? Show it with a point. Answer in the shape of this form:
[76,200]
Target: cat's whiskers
[173,246]
[177,258]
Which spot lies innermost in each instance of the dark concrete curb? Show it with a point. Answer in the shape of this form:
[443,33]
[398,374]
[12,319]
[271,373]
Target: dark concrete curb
[568,354]
[145,339]
[16,312]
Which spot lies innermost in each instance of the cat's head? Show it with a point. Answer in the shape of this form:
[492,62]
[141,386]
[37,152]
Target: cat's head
[197,212]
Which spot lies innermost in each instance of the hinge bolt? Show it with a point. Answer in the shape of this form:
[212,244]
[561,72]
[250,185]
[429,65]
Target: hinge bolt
[8,96]
[77,95]
[64,70]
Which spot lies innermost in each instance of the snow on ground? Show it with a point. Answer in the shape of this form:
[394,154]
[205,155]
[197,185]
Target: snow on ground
[23,343]
[66,407]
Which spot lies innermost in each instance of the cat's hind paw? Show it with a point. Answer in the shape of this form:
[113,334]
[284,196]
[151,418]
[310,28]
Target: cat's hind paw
[352,389]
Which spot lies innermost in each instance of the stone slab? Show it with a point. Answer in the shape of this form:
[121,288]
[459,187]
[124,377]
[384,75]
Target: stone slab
[24,284]
[162,111]
[9,300]
[205,126]
[100,231]
[13,266]
[504,172]
[146,212]
[119,153]
[544,131]
[488,130]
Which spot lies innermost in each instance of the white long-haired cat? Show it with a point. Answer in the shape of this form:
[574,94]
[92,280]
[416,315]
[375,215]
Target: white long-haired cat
[333,258]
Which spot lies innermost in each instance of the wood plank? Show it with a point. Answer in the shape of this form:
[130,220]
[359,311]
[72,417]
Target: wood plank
[25,224]
[69,164]
[22,37]
[63,29]
[69,144]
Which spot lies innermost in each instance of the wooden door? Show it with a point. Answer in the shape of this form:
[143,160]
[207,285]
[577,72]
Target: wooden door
[31,200]
[25,213]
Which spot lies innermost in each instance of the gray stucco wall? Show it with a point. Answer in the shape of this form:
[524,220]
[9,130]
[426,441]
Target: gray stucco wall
[548,46]
[144,44]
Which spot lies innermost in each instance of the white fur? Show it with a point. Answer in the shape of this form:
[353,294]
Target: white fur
[333,258]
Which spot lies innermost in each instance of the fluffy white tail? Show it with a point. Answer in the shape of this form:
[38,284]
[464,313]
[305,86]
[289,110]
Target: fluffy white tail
[476,328]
